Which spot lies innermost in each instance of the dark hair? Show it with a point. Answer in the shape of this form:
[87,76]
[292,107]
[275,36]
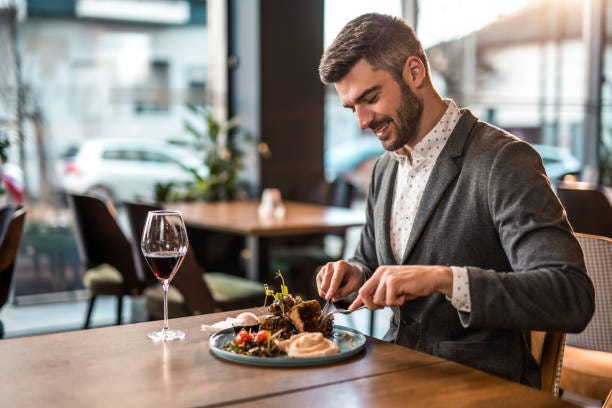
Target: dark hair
[383,41]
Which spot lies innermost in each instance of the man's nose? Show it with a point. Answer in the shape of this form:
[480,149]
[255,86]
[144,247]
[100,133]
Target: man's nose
[364,116]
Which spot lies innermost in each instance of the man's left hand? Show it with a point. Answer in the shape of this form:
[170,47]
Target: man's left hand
[392,285]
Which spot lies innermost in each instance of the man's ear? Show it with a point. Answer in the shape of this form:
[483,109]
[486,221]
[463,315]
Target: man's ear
[414,71]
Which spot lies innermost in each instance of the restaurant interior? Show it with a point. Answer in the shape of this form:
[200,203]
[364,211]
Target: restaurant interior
[111,109]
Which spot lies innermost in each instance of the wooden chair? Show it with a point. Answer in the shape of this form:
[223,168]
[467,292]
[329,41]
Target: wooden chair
[608,402]
[105,251]
[9,249]
[587,207]
[6,216]
[547,350]
[587,364]
[193,291]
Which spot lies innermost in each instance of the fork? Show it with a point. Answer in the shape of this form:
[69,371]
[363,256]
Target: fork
[329,309]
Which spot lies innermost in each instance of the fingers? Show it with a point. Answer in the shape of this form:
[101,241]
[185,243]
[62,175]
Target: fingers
[389,291]
[324,278]
[330,277]
[384,288]
[367,291]
[336,280]
[388,285]
[356,304]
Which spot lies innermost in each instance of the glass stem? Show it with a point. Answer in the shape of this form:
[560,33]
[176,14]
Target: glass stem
[165,284]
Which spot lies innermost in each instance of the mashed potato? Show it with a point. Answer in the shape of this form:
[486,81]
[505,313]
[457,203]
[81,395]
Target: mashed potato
[304,345]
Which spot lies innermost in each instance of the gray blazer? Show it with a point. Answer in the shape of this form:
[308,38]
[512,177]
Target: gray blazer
[488,206]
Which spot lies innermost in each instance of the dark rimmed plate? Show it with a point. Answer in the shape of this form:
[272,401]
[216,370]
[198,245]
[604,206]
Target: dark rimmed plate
[349,341]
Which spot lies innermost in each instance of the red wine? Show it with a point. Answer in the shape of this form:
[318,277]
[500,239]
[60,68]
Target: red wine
[163,263]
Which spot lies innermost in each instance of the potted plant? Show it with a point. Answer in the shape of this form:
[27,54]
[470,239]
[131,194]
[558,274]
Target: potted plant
[218,143]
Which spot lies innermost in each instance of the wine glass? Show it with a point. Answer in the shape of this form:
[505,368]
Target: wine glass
[164,245]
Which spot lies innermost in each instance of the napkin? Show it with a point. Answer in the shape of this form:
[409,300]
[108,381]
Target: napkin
[215,327]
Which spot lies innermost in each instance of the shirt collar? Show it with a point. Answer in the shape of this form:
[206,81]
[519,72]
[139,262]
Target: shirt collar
[430,146]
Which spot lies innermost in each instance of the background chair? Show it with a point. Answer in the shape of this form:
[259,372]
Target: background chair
[608,402]
[105,251]
[299,258]
[547,350]
[587,207]
[193,291]
[587,363]
[9,249]
[6,216]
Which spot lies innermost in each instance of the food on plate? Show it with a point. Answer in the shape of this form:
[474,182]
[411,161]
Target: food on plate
[305,316]
[258,344]
[276,323]
[293,315]
[307,344]
[287,317]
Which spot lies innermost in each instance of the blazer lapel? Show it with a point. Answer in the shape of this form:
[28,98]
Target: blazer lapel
[444,172]
[382,214]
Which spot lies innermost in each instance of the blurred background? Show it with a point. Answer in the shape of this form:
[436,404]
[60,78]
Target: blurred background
[94,96]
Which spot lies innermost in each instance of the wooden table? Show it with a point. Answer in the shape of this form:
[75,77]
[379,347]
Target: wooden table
[241,217]
[120,366]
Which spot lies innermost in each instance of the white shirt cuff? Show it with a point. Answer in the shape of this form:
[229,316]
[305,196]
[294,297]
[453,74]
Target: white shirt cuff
[461,290]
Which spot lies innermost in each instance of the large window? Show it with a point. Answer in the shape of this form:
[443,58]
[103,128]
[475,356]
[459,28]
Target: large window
[519,65]
[121,69]
[346,145]
[606,94]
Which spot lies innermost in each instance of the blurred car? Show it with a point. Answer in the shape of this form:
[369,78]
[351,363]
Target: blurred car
[125,169]
[558,162]
[355,158]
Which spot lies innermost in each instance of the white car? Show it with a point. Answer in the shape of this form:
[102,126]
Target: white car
[125,169]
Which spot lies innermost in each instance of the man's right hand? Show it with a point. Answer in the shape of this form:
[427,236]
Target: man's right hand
[337,280]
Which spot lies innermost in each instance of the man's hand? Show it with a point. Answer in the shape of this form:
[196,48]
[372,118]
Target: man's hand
[393,285]
[337,280]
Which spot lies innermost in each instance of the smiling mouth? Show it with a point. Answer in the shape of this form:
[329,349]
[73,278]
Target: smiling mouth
[380,130]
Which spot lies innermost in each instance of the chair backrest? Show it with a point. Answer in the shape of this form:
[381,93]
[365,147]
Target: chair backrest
[343,193]
[137,216]
[101,240]
[598,258]
[608,402]
[9,249]
[6,215]
[190,278]
[547,350]
[587,207]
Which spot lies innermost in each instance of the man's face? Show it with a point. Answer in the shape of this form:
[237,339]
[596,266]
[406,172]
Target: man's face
[390,109]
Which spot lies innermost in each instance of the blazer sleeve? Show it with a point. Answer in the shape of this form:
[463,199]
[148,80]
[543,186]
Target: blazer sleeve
[547,288]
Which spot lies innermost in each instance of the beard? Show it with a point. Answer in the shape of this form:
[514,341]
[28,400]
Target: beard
[408,117]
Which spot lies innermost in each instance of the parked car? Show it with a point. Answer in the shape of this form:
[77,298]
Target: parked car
[354,160]
[125,169]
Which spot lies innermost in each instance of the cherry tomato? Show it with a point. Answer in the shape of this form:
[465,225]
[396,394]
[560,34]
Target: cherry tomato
[262,335]
[243,337]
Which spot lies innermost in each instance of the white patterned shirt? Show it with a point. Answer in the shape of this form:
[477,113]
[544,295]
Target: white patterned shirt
[410,183]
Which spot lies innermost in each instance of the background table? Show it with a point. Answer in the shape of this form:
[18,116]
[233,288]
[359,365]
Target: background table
[241,217]
[120,366]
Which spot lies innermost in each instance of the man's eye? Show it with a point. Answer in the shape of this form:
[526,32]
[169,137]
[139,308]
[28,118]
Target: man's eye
[372,99]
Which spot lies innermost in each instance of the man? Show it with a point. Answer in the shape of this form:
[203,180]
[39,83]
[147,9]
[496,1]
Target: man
[464,237]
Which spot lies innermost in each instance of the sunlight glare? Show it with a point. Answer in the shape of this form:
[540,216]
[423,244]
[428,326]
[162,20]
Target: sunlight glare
[443,20]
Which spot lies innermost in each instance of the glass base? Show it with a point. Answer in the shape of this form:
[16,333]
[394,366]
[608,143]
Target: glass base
[166,335]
